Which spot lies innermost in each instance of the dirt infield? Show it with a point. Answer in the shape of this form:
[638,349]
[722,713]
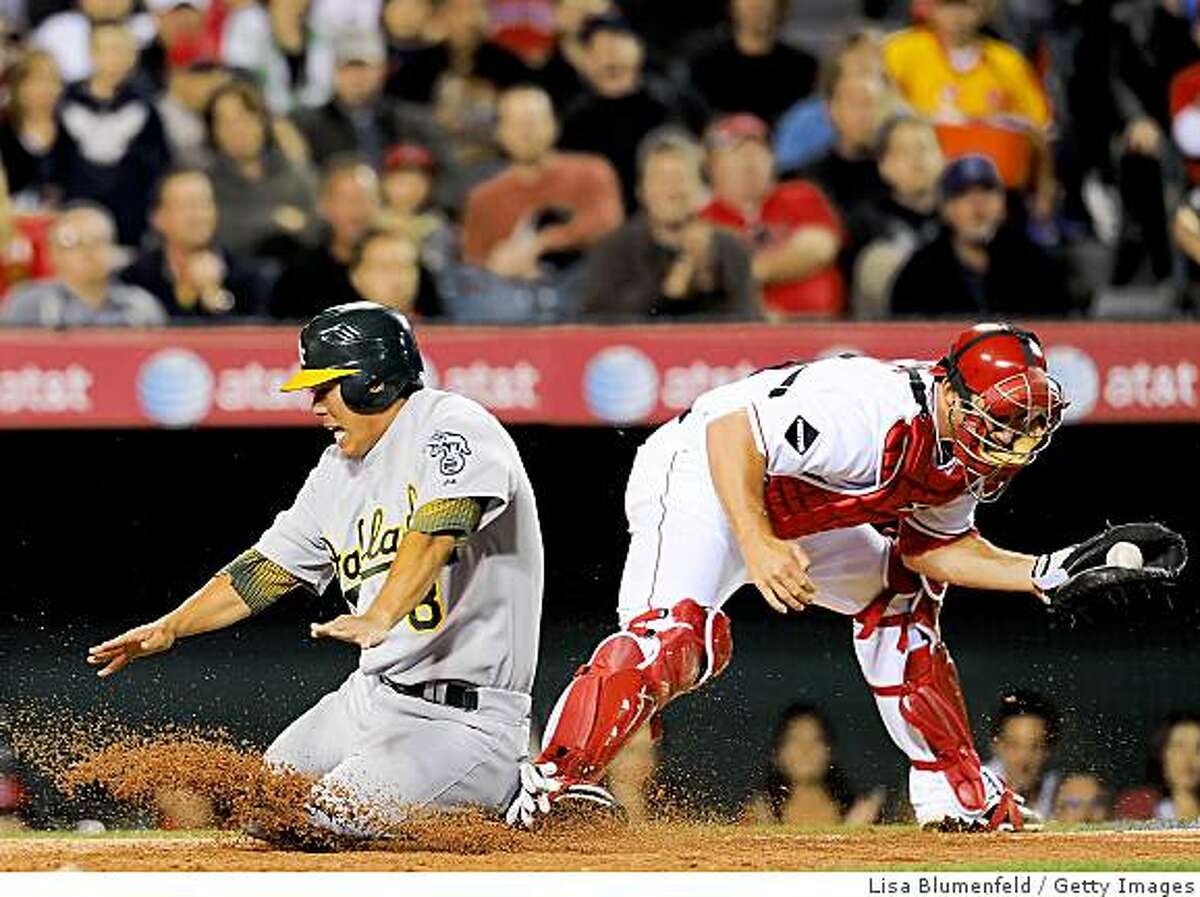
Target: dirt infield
[642,848]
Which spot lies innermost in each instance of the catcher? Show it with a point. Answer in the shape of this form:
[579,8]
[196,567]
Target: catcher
[424,513]
[781,480]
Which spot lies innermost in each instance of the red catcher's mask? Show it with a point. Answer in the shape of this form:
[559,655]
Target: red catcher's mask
[1009,406]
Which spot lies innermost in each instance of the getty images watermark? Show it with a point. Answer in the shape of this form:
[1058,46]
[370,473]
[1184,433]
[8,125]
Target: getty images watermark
[1037,884]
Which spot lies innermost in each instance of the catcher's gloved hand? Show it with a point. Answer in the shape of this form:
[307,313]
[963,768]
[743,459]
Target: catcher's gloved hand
[537,784]
[1082,569]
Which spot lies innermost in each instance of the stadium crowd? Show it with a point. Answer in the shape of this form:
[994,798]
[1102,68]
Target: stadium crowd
[552,160]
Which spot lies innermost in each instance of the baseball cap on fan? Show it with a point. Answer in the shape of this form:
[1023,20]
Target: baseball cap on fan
[734,130]
[407,156]
[968,172]
[359,47]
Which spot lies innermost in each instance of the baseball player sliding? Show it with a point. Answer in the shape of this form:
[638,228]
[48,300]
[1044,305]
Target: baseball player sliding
[423,512]
[781,480]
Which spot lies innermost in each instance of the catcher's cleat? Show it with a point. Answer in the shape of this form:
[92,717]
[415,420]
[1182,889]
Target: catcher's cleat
[1008,814]
[590,802]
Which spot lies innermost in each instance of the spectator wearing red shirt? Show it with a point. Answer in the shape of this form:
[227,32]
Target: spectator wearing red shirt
[547,205]
[792,228]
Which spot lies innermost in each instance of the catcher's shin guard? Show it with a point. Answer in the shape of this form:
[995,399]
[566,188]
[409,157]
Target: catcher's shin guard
[916,688]
[631,675]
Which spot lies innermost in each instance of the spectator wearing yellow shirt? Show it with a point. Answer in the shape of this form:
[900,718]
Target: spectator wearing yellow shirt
[981,93]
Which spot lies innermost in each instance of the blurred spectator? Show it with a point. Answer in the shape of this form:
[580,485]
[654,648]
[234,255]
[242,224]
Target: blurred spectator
[181,107]
[414,62]
[848,171]
[524,27]
[746,68]
[561,72]
[349,207]
[631,772]
[1186,231]
[547,207]
[885,232]
[84,253]
[976,266]
[190,275]
[407,191]
[1025,729]
[803,785]
[180,38]
[385,268]
[981,92]
[247,44]
[790,227]
[804,133]
[118,145]
[621,108]
[264,203]
[465,28]
[670,29]
[1081,798]
[67,35]
[361,120]
[31,142]
[1173,769]
[667,261]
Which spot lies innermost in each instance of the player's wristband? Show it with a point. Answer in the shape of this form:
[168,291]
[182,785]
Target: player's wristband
[258,580]
[447,516]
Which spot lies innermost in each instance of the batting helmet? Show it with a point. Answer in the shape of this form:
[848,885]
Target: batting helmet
[368,348]
[1010,406]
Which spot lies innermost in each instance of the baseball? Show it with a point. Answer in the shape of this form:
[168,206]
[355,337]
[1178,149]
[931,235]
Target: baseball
[1124,554]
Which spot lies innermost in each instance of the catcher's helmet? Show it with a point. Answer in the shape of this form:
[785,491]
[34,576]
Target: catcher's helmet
[369,348]
[1010,406]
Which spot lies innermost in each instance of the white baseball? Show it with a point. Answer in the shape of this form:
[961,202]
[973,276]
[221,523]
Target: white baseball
[1124,554]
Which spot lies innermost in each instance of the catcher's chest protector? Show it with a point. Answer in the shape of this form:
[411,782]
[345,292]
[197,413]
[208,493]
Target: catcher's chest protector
[909,475]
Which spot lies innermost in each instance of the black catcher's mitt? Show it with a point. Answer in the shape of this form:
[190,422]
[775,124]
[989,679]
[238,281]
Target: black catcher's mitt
[1083,570]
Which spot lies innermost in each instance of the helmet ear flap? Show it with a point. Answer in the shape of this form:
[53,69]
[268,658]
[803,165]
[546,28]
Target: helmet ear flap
[367,393]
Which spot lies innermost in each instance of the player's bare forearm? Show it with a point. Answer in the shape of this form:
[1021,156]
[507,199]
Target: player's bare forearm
[778,568]
[214,606]
[737,471]
[419,561]
[976,563]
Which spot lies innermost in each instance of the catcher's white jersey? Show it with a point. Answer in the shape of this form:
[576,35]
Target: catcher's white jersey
[479,624]
[825,421]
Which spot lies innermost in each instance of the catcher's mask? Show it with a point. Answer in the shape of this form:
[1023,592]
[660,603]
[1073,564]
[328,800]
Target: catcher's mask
[1008,406]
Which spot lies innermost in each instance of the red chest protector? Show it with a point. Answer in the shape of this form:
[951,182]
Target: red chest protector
[909,476]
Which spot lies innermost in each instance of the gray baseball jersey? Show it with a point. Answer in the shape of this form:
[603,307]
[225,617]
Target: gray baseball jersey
[479,624]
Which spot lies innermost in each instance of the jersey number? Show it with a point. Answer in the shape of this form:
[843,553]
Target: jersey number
[787,382]
[428,615]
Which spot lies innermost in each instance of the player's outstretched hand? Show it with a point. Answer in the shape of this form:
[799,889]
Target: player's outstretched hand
[780,571]
[361,631]
[141,641]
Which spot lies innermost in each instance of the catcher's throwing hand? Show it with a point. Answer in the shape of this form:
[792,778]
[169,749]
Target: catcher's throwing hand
[142,641]
[779,569]
[357,630]
[1081,570]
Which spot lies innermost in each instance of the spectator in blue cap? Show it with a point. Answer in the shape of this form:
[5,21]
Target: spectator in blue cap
[976,265]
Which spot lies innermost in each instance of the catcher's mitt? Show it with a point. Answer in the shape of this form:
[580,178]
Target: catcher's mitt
[1083,570]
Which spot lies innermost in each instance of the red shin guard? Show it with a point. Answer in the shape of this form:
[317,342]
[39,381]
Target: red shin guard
[631,675]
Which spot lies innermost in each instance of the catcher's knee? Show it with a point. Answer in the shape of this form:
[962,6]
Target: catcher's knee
[686,646]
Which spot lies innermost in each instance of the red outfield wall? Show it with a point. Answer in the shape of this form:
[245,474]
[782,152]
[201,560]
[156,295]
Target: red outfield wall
[1111,372]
